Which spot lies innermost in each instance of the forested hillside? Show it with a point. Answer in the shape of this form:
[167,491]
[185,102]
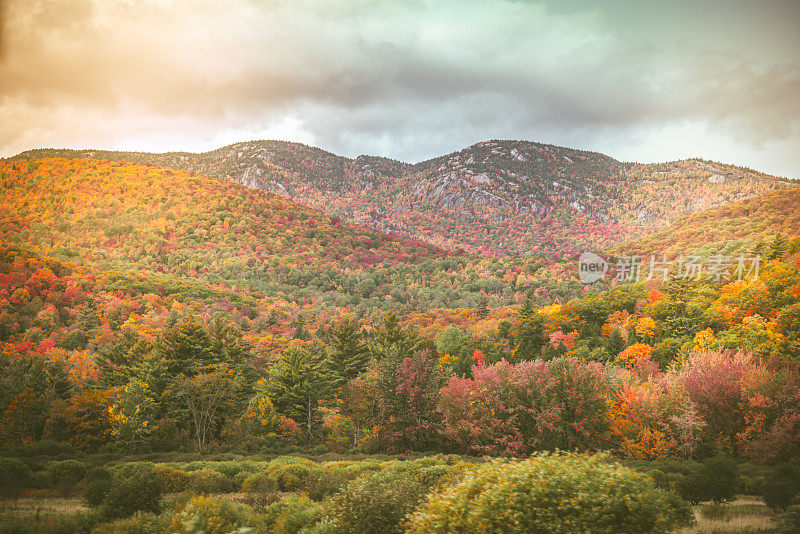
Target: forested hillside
[157,221]
[738,227]
[503,198]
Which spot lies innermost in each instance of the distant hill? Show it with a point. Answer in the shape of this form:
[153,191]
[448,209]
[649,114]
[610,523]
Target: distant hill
[744,227]
[164,222]
[505,198]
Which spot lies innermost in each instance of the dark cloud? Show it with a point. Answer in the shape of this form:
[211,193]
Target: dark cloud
[407,80]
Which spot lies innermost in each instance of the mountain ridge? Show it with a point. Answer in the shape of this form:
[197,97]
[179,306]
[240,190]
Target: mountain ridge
[497,197]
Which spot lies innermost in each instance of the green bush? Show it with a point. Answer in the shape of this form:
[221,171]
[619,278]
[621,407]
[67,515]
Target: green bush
[292,514]
[377,502]
[327,481]
[97,473]
[292,474]
[287,473]
[260,483]
[66,474]
[16,525]
[172,480]
[208,481]
[751,478]
[80,523]
[41,480]
[716,480]
[140,492]
[209,515]
[14,476]
[780,488]
[96,492]
[326,526]
[46,448]
[551,493]
[236,470]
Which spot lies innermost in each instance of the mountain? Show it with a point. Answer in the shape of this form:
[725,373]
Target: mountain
[742,227]
[504,198]
[118,216]
[169,224]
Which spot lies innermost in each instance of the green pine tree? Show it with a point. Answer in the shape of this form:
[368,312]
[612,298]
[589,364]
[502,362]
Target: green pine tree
[615,344]
[391,340]
[483,308]
[299,383]
[778,248]
[529,332]
[349,355]
[187,348]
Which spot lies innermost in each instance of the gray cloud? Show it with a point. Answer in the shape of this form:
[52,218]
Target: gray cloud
[406,79]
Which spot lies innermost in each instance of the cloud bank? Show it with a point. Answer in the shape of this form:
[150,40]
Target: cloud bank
[407,80]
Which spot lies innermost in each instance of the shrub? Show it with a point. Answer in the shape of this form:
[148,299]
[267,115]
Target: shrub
[326,526]
[14,475]
[292,514]
[376,502]
[172,480]
[209,515]
[287,473]
[138,523]
[779,489]
[715,480]
[96,492]
[78,523]
[208,480]
[97,473]
[260,483]
[327,482]
[134,468]
[551,493]
[236,470]
[141,492]
[66,474]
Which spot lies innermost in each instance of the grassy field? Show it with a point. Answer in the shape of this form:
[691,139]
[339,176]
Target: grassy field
[39,512]
[746,514]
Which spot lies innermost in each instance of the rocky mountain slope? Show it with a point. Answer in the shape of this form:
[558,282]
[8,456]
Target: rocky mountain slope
[505,198]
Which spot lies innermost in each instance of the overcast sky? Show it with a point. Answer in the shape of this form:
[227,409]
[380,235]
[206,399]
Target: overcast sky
[640,81]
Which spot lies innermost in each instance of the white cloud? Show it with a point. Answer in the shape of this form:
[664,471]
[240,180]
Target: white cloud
[403,79]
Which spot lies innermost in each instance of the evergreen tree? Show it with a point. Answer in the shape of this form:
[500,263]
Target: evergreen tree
[187,348]
[299,330]
[349,355]
[483,308]
[299,383]
[778,248]
[529,332]
[615,344]
[391,340]
[226,342]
